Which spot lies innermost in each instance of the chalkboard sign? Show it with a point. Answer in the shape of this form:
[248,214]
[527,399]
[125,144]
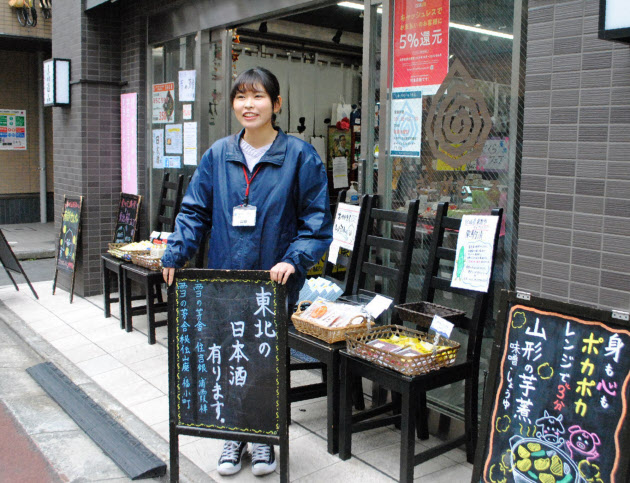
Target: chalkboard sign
[68,239]
[555,409]
[227,357]
[11,263]
[127,218]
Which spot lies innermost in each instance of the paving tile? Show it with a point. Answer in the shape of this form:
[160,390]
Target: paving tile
[350,471]
[153,411]
[37,414]
[57,332]
[65,344]
[99,365]
[449,474]
[153,366]
[121,341]
[138,352]
[84,353]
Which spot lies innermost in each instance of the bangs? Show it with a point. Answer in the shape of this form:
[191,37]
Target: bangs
[257,79]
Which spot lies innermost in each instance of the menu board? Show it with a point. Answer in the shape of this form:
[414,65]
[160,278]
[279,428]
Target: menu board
[69,233]
[557,401]
[127,219]
[228,348]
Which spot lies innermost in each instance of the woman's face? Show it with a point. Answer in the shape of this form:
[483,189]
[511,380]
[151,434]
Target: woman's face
[253,109]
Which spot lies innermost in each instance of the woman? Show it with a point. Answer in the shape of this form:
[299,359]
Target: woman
[263,196]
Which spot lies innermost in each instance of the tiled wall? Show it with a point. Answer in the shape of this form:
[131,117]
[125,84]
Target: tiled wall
[9,24]
[574,231]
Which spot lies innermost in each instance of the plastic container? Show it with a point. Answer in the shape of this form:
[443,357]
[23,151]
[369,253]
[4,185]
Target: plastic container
[158,248]
[352,196]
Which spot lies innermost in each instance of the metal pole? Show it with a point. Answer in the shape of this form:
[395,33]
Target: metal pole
[42,137]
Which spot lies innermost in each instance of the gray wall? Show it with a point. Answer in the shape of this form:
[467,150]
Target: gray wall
[574,235]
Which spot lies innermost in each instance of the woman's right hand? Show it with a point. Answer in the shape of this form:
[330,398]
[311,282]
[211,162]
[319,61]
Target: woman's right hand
[169,275]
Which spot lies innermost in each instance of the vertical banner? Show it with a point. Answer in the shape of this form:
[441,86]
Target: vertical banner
[420,44]
[129,142]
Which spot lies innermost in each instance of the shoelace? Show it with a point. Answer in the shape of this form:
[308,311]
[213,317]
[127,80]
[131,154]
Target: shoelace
[261,452]
[230,450]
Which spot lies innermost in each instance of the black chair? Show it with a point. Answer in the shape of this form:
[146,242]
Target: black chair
[366,264]
[412,389]
[151,280]
[327,355]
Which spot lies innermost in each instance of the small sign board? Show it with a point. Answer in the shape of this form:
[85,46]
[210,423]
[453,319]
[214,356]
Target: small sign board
[556,402]
[344,229]
[473,256]
[68,242]
[227,359]
[127,218]
[12,264]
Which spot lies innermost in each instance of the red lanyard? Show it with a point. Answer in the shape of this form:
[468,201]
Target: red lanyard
[249,182]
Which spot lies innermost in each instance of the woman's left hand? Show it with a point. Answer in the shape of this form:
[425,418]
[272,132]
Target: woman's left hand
[281,271]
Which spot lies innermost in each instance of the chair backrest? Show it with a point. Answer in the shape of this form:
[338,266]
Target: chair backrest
[170,201]
[349,263]
[400,249]
[440,250]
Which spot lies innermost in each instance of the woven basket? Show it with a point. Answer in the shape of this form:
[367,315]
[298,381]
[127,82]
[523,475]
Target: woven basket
[410,365]
[327,334]
[115,249]
[422,313]
[147,261]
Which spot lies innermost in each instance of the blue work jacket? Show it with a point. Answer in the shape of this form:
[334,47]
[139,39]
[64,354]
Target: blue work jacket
[290,193]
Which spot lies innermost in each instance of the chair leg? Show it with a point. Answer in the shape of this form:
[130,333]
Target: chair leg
[106,291]
[121,298]
[128,312]
[407,435]
[357,393]
[423,416]
[345,411]
[471,404]
[396,402]
[150,311]
[332,402]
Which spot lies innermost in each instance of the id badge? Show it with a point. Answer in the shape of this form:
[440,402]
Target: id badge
[244,215]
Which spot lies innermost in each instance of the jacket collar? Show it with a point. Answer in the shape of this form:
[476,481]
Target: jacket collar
[275,154]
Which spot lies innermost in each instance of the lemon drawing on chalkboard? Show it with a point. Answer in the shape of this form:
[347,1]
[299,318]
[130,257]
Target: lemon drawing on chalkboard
[519,319]
[74,240]
[461,260]
[64,228]
[66,252]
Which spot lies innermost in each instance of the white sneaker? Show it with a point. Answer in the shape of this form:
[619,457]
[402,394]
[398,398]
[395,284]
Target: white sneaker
[230,460]
[263,459]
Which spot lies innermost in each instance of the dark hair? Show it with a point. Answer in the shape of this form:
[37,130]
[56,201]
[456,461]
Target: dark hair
[258,76]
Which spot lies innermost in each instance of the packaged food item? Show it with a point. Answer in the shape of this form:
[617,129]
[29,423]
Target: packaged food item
[332,314]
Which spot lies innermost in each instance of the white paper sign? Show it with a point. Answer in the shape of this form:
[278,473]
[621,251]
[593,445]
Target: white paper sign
[333,252]
[172,161]
[473,259]
[187,112]
[340,172]
[406,124]
[190,143]
[158,148]
[441,326]
[319,144]
[173,137]
[345,226]
[378,305]
[187,85]
[163,102]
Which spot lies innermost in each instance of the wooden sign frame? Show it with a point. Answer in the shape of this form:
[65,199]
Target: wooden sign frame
[12,264]
[190,423]
[558,425]
[138,199]
[60,240]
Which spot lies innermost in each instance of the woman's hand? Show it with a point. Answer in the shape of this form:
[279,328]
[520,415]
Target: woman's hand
[168,274]
[281,271]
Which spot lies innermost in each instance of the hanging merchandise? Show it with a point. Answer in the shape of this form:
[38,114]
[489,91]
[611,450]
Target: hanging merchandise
[341,111]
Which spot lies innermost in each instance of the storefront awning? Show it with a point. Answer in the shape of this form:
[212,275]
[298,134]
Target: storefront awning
[89,4]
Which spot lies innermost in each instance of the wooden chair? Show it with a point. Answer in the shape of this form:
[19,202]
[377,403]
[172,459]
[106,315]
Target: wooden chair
[151,280]
[327,355]
[412,389]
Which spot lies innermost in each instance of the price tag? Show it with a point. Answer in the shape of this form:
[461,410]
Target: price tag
[378,305]
[441,326]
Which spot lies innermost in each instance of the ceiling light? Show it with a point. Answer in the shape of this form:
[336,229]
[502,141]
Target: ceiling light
[470,28]
[357,6]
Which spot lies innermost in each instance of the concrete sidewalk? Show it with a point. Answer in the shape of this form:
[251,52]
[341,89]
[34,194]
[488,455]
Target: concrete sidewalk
[31,240]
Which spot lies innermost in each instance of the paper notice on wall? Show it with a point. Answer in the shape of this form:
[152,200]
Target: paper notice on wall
[163,102]
[340,172]
[172,161]
[158,148]
[187,112]
[187,85]
[319,143]
[345,226]
[473,258]
[173,138]
[190,143]
[13,129]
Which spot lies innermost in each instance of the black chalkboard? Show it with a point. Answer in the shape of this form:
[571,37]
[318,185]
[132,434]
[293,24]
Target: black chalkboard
[555,409]
[11,263]
[227,357]
[127,218]
[68,241]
